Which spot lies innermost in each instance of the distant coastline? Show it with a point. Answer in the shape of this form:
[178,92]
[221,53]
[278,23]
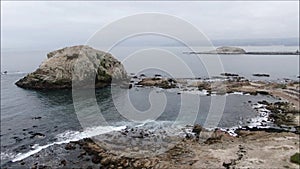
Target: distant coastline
[225,50]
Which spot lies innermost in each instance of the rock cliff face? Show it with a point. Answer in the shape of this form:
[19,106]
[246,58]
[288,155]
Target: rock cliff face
[77,64]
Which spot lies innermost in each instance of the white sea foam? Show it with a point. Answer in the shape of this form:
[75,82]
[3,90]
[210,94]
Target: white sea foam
[7,155]
[262,118]
[259,121]
[70,136]
[237,93]
[67,137]
[230,131]
[195,91]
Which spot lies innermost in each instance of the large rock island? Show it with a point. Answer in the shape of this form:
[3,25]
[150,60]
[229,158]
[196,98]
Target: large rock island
[78,64]
[229,50]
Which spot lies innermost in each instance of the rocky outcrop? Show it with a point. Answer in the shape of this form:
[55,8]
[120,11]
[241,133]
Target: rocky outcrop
[229,50]
[77,64]
[164,83]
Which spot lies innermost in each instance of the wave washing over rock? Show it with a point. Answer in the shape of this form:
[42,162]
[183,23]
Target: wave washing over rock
[67,137]
[77,63]
[129,131]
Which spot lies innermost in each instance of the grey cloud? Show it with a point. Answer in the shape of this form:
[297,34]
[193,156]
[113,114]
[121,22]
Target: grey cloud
[57,24]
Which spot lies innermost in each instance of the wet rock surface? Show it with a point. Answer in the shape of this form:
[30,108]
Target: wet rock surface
[284,114]
[218,150]
[165,83]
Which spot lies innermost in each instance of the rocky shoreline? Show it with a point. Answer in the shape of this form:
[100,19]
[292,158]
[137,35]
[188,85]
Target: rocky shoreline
[252,145]
[225,84]
[257,149]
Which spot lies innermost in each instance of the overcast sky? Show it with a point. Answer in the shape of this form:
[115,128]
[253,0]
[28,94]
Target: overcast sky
[58,24]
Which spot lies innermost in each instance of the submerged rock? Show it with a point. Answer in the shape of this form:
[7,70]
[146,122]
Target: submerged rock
[79,64]
[229,74]
[37,135]
[261,75]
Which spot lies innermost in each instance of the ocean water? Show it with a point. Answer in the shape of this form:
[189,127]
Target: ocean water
[51,113]
[32,121]
[174,62]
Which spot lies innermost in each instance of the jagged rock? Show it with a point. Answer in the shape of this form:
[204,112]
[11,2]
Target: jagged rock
[197,129]
[106,161]
[77,64]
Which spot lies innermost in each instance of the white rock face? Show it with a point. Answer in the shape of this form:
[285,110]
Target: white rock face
[78,64]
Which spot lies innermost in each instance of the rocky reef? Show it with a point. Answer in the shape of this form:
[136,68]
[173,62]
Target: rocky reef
[79,64]
[165,83]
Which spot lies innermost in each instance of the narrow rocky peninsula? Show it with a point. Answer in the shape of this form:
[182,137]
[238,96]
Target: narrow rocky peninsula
[74,64]
[229,50]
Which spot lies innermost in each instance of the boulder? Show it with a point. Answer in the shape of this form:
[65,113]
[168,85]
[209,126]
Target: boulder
[197,129]
[77,64]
